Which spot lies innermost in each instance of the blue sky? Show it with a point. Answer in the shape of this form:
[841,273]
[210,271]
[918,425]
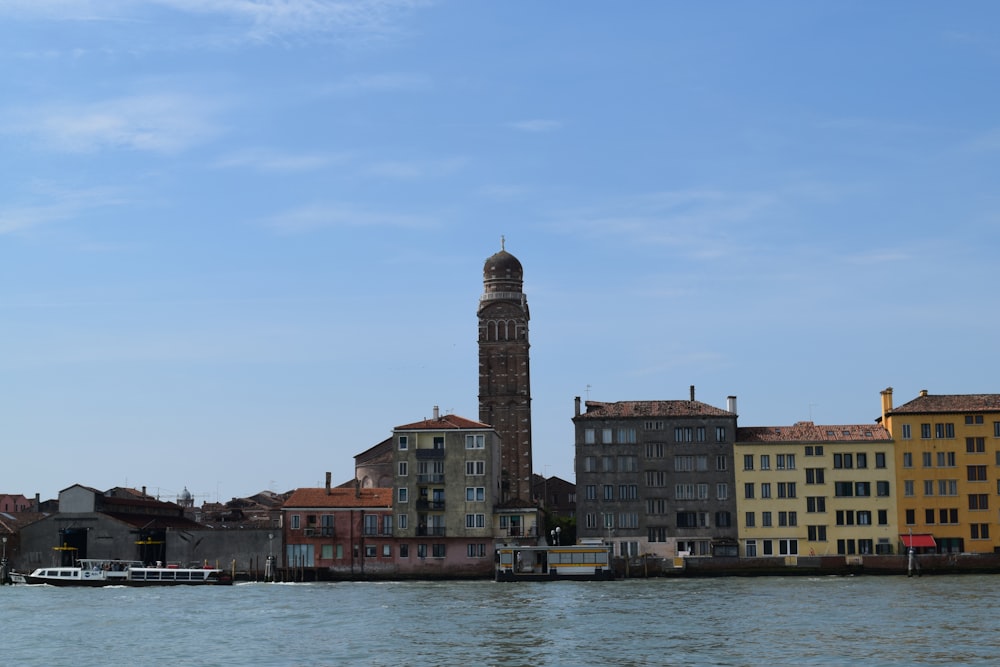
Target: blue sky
[240,241]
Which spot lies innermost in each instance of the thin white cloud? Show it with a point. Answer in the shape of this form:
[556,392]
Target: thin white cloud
[321,216]
[258,20]
[536,125]
[415,170]
[160,123]
[385,82]
[59,205]
[265,160]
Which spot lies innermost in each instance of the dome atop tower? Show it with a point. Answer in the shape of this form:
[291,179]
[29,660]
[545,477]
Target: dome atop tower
[503,266]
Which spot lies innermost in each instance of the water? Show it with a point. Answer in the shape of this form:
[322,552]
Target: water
[936,620]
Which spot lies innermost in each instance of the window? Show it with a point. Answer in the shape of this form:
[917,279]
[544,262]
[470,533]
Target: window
[722,492]
[864,518]
[907,487]
[748,461]
[628,491]
[907,434]
[701,463]
[683,463]
[402,494]
[976,473]
[655,478]
[609,492]
[438,550]
[703,492]
[295,521]
[843,461]
[750,519]
[980,531]
[720,433]
[928,487]
[684,492]
[911,517]
[975,445]
[628,464]
[748,490]
[843,489]
[687,520]
[683,434]
[750,549]
[882,488]
[765,461]
[765,519]
[475,550]
[816,503]
[628,520]
[883,517]
[475,468]
[421,551]
[788,547]
[699,434]
[626,435]
[475,493]
[401,521]
[862,460]
[404,442]
[765,490]
[588,436]
[816,533]
[723,519]
[949,515]
[386,524]
[925,431]
[926,459]
[589,464]
[653,426]
[370,551]
[907,460]
[404,550]
[973,419]
[475,520]
[947,487]
[815,476]
[607,464]
[656,506]
[591,492]
[606,436]
[786,489]
[654,450]
[590,520]
[722,462]
[996,429]
[371,524]
[879,459]
[979,501]
[475,441]
[946,459]
[402,469]
[862,489]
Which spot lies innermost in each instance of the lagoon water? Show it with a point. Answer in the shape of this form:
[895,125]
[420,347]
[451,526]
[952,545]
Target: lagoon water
[886,620]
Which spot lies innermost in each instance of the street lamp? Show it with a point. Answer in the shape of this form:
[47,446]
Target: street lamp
[555,535]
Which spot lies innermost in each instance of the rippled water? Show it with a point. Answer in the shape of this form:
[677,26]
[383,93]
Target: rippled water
[728,621]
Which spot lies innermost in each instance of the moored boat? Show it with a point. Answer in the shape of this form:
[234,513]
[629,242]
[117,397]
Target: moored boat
[100,572]
[581,562]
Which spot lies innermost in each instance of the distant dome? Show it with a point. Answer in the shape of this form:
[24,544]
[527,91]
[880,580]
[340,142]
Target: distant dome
[185,494]
[503,266]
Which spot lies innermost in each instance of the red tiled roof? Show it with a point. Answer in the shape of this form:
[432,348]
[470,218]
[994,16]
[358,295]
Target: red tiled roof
[443,423]
[931,403]
[620,409]
[810,432]
[339,497]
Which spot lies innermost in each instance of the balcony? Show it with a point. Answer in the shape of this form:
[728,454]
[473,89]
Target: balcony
[430,454]
[430,531]
[435,478]
[430,505]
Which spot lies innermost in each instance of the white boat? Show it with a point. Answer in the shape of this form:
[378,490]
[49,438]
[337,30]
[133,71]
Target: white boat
[583,562]
[103,572]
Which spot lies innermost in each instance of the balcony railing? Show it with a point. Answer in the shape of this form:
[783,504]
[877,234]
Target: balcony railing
[435,478]
[429,454]
[434,531]
[430,505]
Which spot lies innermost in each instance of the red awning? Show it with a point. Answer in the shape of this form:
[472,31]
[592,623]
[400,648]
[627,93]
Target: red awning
[924,540]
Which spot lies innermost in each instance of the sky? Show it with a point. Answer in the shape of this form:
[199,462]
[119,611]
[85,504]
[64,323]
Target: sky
[242,240]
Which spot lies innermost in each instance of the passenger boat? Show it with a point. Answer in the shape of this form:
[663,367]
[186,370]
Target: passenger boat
[581,562]
[103,572]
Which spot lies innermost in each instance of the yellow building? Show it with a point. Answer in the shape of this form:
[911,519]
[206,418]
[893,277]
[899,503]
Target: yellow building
[948,470]
[808,490]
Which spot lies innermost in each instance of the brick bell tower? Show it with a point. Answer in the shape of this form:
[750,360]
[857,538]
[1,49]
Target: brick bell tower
[504,380]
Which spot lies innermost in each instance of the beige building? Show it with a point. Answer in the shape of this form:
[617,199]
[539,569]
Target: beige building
[805,490]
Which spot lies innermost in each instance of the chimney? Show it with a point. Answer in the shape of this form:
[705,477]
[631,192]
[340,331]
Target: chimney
[692,392]
[437,412]
[886,403]
[576,401]
[731,404]
[357,488]
[143,490]
[38,502]
[328,477]
[923,392]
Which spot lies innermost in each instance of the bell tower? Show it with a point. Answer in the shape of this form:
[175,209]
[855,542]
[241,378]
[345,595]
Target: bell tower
[504,378]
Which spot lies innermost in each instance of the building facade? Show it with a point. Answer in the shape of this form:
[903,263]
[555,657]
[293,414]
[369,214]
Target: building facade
[504,374]
[656,477]
[948,465]
[815,490]
[447,486]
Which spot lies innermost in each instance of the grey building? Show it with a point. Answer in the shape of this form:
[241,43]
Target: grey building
[656,477]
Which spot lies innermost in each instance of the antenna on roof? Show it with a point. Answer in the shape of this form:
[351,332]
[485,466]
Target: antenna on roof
[502,242]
